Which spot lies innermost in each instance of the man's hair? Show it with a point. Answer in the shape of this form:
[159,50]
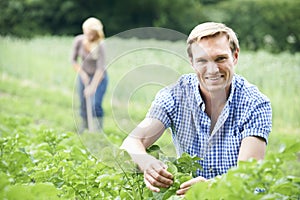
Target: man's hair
[211,29]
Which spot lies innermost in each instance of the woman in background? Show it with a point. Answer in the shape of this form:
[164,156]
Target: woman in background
[92,77]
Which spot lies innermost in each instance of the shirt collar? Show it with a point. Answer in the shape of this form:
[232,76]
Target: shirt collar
[196,91]
[199,99]
[233,83]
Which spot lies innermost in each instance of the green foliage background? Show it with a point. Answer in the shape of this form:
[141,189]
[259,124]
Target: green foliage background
[270,24]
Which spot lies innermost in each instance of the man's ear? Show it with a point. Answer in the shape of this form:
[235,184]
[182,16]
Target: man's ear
[191,62]
[236,56]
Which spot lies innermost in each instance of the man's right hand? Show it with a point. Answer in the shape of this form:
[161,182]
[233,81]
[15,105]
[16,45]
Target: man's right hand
[155,173]
[143,136]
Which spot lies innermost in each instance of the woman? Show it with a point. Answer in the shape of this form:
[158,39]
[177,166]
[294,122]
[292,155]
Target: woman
[92,73]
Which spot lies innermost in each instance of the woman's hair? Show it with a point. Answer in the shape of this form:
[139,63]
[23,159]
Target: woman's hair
[94,24]
[211,29]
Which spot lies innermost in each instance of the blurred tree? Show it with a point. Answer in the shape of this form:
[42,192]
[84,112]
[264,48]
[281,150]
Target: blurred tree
[129,14]
[270,24]
[206,2]
[181,16]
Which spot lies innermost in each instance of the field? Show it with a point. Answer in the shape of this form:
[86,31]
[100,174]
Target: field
[39,144]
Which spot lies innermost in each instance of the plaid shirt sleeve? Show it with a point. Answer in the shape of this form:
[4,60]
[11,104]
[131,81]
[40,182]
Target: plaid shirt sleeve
[259,121]
[162,107]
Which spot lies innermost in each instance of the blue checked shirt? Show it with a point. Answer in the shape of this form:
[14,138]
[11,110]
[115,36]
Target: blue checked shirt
[180,107]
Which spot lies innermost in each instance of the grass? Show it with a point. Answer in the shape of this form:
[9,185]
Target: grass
[37,80]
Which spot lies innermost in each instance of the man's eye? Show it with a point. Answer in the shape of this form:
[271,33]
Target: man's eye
[201,61]
[221,59]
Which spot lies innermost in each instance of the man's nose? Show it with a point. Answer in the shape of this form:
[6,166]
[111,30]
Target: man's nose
[212,68]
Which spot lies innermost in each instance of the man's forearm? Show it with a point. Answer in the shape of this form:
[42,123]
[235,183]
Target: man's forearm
[252,147]
[136,151]
[144,135]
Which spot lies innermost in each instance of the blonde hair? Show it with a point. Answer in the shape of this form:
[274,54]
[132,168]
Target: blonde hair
[211,29]
[94,24]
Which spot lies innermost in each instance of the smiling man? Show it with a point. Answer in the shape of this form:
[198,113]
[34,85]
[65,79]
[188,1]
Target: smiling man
[214,114]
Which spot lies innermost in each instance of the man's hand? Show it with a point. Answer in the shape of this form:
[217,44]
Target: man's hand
[184,187]
[156,174]
[143,136]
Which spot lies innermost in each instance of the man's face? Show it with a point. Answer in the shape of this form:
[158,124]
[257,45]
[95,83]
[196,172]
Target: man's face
[214,63]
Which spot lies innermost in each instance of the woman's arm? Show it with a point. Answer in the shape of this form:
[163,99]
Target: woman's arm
[74,59]
[99,73]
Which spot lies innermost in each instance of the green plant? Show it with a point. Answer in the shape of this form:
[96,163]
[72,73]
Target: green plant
[182,169]
[253,180]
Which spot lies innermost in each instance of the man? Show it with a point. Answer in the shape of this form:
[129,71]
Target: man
[214,114]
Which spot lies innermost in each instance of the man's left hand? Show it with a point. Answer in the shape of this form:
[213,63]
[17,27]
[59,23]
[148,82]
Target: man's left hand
[184,187]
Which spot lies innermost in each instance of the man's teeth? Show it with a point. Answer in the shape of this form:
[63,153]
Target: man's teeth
[213,78]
